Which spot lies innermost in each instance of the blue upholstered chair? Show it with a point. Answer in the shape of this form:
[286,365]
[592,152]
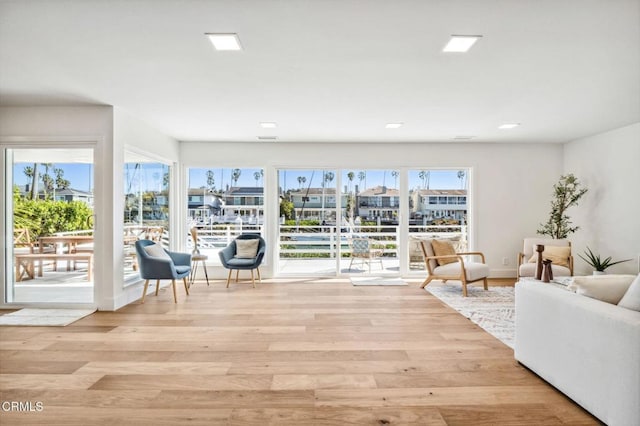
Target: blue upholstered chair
[156,263]
[232,261]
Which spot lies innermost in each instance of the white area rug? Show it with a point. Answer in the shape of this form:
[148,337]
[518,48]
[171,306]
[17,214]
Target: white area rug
[44,317]
[377,281]
[493,309]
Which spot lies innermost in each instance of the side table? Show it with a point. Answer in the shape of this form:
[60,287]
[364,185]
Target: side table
[195,258]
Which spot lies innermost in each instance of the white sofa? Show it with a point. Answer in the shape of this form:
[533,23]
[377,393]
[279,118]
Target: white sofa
[588,349]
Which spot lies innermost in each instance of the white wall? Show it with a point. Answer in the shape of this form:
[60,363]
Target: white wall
[609,214]
[143,142]
[511,189]
[93,124]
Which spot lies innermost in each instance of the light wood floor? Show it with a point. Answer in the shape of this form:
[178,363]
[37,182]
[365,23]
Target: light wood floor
[298,353]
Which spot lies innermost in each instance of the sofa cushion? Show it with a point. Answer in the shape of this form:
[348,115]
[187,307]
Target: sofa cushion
[558,255]
[607,288]
[475,271]
[444,248]
[631,299]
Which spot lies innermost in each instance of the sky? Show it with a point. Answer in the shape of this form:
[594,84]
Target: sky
[438,179]
[79,174]
[150,177]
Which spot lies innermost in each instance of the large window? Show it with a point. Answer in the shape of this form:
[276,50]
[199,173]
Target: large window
[146,206]
[438,209]
[222,203]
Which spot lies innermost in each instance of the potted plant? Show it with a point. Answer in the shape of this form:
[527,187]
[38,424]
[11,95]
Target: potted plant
[599,264]
[566,193]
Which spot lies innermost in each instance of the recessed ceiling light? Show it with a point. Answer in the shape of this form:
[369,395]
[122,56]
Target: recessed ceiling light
[267,138]
[393,125]
[460,43]
[508,125]
[463,138]
[268,124]
[225,41]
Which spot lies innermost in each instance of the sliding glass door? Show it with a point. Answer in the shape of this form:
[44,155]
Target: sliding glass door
[48,206]
[372,211]
[310,216]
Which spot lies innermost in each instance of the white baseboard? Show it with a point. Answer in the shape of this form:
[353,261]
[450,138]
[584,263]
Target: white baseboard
[502,273]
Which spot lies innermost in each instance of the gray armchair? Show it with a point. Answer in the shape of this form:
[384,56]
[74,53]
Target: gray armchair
[156,263]
[232,262]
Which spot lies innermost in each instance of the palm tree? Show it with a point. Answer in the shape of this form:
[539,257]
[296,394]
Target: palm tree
[32,173]
[211,180]
[47,181]
[461,175]
[300,181]
[328,177]
[362,176]
[61,182]
[395,175]
[235,175]
[256,176]
[424,175]
[350,176]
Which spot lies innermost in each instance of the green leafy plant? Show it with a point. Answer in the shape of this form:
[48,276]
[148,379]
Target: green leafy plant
[566,193]
[598,263]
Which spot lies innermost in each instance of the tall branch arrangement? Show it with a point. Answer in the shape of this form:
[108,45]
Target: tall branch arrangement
[566,193]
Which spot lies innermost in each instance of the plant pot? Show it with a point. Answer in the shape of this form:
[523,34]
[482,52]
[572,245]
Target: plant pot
[599,273]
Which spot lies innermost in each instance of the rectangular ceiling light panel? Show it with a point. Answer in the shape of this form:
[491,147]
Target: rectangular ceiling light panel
[225,41]
[460,43]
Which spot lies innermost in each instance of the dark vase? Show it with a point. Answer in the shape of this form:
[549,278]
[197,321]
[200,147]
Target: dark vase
[546,274]
[539,249]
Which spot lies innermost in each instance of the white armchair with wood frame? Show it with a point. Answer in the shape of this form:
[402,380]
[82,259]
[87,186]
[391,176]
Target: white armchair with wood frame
[559,251]
[443,263]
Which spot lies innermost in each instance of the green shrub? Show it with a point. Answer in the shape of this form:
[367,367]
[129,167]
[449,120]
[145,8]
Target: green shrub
[45,217]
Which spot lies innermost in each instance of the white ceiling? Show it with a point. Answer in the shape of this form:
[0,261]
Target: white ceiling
[333,70]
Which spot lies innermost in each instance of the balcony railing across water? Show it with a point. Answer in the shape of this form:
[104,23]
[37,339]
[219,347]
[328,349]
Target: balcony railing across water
[314,242]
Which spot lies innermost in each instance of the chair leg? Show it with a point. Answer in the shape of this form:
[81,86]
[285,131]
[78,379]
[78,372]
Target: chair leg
[186,287]
[157,286]
[237,273]
[229,277]
[204,266]
[259,277]
[253,281]
[464,288]
[144,291]
[175,295]
[486,285]
[426,282]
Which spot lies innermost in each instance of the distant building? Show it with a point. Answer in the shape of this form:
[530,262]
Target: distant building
[433,204]
[245,202]
[316,203]
[378,202]
[67,194]
[203,204]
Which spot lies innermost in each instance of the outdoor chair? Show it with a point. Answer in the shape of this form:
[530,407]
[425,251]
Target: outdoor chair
[559,251]
[364,250]
[156,263]
[443,263]
[244,253]
[196,257]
